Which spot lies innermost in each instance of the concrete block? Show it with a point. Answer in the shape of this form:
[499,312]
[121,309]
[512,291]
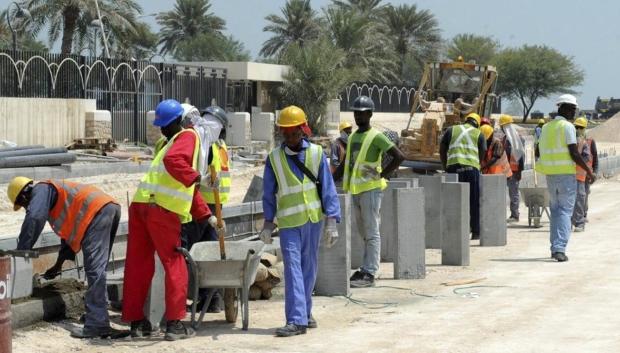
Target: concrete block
[238,132]
[388,224]
[335,262]
[20,285]
[413,182]
[451,178]
[263,126]
[332,116]
[155,305]
[455,231]
[357,242]
[492,210]
[432,209]
[409,262]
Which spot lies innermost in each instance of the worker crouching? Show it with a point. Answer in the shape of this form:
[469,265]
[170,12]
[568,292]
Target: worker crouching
[298,190]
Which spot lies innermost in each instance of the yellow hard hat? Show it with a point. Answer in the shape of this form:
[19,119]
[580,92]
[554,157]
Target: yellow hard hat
[541,121]
[487,131]
[15,188]
[291,116]
[505,119]
[474,117]
[344,125]
[581,122]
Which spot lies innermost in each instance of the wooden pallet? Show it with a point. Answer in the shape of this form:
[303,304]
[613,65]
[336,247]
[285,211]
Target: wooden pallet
[103,144]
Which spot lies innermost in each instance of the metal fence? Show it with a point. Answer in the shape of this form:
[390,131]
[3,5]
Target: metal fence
[388,99]
[128,89]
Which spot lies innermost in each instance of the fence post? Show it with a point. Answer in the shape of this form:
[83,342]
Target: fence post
[135,102]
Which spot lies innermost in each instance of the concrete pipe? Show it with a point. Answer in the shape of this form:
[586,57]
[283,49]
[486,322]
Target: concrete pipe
[19,148]
[37,161]
[32,152]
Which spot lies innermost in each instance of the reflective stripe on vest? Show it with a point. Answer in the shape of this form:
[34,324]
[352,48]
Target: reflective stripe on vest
[75,208]
[554,155]
[354,180]
[581,173]
[463,148]
[501,165]
[297,201]
[221,165]
[160,187]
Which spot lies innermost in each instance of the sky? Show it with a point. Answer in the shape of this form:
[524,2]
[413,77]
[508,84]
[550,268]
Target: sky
[589,31]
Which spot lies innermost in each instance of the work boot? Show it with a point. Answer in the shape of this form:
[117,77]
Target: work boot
[312,322]
[579,229]
[560,256]
[102,332]
[512,220]
[291,330]
[175,330]
[367,281]
[357,275]
[141,328]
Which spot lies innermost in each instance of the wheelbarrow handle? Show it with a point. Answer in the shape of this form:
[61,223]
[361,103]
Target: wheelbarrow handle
[20,253]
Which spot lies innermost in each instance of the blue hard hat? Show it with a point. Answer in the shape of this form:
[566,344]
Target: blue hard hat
[166,112]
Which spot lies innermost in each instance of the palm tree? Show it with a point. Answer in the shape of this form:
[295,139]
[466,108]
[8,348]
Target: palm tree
[187,20]
[299,24]
[480,49]
[367,7]
[367,47]
[414,32]
[73,18]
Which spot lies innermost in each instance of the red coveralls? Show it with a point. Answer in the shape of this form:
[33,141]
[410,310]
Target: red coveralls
[153,228]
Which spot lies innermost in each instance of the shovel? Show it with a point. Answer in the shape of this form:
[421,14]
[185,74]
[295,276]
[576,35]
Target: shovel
[218,213]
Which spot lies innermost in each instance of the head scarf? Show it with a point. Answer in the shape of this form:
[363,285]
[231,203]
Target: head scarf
[518,150]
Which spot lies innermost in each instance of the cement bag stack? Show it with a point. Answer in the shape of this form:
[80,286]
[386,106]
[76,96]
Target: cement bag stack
[270,273]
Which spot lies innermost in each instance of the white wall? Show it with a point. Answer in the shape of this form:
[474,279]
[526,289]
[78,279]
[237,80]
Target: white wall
[48,121]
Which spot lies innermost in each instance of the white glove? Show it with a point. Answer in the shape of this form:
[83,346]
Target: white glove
[330,234]
[265,234]
[369,172]
[206,181]
[213,223]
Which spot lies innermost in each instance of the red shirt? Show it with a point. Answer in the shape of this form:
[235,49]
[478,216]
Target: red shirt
[178,162]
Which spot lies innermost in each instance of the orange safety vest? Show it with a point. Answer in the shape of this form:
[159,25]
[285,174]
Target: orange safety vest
[581,173]
[514,164]
[501,166]
[75,208]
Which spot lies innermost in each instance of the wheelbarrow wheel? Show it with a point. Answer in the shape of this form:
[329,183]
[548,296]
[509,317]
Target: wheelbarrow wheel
[231,304]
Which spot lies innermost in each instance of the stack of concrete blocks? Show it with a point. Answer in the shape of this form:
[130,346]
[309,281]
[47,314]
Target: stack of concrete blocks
[152,132]
[410,259]
[455,224]
[263,128]
[239,131]
[388,228]
[335,262]
[493,210]
[332,116]
[432,209]
[98,124]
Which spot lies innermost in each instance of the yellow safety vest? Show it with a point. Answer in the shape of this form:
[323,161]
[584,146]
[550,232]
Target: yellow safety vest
[554,155]
[159,187]
[220,164]
[297,201]
[160,144]
[463,148]
[354,180]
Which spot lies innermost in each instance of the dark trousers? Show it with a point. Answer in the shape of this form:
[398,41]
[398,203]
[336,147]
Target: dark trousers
[471,176]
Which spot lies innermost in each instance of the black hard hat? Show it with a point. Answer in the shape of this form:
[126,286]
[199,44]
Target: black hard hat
[363,103]
[218,113]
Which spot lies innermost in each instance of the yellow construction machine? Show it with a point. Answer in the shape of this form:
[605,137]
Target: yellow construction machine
[447,92]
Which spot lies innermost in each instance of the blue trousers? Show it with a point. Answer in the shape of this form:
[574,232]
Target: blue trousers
[562,193]
[96,247]
[300,250]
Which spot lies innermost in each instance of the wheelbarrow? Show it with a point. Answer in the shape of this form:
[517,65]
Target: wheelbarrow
[235,274]
[537,200]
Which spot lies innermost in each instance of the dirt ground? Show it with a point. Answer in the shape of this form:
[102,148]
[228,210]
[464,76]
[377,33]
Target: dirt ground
[526,303]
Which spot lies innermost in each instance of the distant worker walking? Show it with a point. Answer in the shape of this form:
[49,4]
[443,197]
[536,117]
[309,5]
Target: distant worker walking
[495,160]
[559,154]
[584,146]
[462,148]
[365,180]
[339,151]
[515,151]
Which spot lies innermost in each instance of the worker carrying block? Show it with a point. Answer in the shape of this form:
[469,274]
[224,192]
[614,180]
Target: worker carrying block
[298,191]
[167,196]
[86,219]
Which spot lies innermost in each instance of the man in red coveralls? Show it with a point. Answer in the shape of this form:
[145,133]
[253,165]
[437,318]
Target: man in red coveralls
[167,197]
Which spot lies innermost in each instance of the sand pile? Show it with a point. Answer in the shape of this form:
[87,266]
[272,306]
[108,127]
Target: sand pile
[608,131]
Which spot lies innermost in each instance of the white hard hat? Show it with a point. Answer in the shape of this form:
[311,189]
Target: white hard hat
[567,99]
[188,108]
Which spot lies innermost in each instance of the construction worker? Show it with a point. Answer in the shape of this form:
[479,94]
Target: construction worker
[558,152]
[485,121]
[365,180]
[166,197]
[515,151]
[86,219]
[339,150]
[495,160]
[594,155]
[298,190]
[538,130]
[584,146]
[461,149]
